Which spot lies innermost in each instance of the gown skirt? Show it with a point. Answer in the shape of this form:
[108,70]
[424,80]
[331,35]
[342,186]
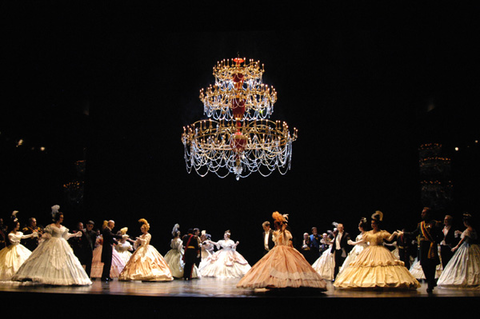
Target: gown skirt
[53,263]
[146,264]
[11,258]
[376,267]
[224,263]
[325,265]
[97,265]
[282,267]
[463,270]
[173,258]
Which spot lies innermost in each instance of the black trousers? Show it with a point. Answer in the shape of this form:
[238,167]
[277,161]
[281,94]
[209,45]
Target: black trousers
[339,259]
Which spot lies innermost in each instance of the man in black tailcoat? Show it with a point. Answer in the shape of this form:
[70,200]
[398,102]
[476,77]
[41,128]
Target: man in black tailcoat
[268,243]
[91,238]
[340,247]
[109,238]
[191,253]
[449,240]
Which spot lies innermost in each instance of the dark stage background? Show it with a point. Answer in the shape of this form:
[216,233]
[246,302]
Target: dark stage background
[114,87]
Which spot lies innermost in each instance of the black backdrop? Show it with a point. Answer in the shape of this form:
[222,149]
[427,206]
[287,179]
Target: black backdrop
[116,85]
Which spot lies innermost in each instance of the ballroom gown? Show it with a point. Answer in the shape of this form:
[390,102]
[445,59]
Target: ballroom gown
[325,265]
[224,263]
[463,270]
[13,256]
[146,263]
[174,259]
[282,267]
[124,250]
[376,267]
[97,265]
[353,254]
[53,261]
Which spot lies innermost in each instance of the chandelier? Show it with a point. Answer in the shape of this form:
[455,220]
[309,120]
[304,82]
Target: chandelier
[238,137]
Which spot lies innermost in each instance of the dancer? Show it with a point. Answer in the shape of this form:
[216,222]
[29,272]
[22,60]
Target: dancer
[32,242]
[109,239]
[283,266]
[91,237]
[190,254]
[53,261]
[429,235]
[325,264]
[359,245]
[268,243]
[207,246]
[15,254]
[124,248]
[98,266]
[174,257]
[340,248]
[449,240]
[146,263]
[375,266]
[226,262]
[463,269]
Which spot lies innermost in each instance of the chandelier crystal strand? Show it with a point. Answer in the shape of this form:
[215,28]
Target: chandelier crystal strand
[240,139]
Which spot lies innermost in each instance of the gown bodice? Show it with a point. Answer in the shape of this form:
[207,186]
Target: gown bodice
[143,240]
[57,232]
[376,239]
[470,237]
[121,247]
[176,243]
[282,238]
[16,237]
[226,244]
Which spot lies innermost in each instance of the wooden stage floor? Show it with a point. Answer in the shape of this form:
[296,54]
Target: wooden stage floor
[219,298]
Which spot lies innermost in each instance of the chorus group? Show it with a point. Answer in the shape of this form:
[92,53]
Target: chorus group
[374,259]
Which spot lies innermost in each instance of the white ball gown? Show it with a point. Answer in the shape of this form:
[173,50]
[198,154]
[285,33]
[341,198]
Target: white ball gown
[174,259]
[224,263]
[53,261]
[124,250]
[463,270]
[97,265]
[282,267]
[13,256]
[358,247]
[325,264]
[146,263]
[376,267]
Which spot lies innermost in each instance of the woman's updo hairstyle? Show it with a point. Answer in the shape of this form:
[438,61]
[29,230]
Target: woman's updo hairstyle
[145,223]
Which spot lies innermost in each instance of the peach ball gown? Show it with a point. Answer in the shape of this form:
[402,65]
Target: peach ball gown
[146,263]
[282,267]
[376,267]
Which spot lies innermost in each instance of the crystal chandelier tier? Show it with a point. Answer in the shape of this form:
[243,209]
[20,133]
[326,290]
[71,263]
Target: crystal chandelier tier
[238,137]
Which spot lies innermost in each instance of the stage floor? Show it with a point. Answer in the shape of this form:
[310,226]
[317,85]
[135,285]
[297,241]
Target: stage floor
[221,295]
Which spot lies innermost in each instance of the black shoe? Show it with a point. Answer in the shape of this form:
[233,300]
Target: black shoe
[105,279]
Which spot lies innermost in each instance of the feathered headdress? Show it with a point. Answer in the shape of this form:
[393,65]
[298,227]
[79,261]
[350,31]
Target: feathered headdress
[279,217]
[176,228]
[55,209]
[124,230]
[335,224]
[14,216]
[144,222]
[378,215]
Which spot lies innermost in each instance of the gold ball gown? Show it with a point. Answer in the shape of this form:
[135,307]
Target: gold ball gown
[282,267]
[146,263]
[376,267]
